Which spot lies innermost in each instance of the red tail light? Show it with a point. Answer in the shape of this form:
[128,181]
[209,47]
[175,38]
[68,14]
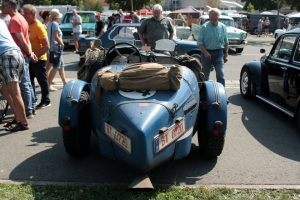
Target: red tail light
[218,126]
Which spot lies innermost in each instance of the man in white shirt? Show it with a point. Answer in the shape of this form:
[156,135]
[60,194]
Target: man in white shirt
[6,18]
[77,29]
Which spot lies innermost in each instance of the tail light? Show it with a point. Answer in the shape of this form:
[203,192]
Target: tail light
[217,127]
[66,121]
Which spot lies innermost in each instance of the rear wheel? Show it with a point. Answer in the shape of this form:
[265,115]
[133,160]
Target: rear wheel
[245,83]
[210,145]
[77,139]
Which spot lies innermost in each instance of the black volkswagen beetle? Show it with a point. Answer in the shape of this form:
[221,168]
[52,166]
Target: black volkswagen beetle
[275,79]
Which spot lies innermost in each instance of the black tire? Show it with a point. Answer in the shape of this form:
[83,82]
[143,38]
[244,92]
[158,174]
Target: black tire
[77,139]
[210,145]
[3,108]
[245,83]
[239,50]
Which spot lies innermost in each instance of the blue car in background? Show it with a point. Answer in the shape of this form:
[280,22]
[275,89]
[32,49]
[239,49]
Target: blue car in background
[129,31]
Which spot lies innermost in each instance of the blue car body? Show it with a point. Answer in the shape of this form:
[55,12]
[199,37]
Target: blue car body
[144,128]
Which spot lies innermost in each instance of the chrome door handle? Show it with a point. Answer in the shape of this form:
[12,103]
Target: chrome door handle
[284,68]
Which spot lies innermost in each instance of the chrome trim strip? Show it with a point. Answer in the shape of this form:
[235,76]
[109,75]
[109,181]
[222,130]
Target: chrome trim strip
[289,113]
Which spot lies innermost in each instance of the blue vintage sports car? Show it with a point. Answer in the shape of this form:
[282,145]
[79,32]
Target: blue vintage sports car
[130,30]
[143,126]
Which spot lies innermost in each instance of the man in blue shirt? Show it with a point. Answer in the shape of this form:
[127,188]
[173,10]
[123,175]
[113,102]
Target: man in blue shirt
[213,43]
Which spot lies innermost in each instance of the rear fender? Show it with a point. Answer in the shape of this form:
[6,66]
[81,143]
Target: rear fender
[71,91]
[215,93]
[256,69]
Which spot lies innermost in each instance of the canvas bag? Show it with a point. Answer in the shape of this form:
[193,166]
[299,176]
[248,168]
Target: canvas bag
[54,57]
[142,76]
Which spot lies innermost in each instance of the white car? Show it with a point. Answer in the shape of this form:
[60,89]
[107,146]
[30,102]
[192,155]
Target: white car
[291,26]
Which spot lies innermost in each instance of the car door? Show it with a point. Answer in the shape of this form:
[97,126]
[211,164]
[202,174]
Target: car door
[281,72]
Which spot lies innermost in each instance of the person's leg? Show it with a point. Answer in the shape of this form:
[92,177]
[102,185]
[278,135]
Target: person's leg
[51,77]
[32,76]
[76,38]
[206,66]
[218,62]
[6,95]
[48,66]
[27,90]
[15,93]
[62,75]
[39,69]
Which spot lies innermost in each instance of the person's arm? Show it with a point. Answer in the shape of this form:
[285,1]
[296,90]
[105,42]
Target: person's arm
[226,49]
[141,36]
[57,39]
[200,43]
[171,36]
[45,47]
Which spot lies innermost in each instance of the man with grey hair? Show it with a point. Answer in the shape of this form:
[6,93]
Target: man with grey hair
[40,45]
[155,28]
[77,29]
[213,43]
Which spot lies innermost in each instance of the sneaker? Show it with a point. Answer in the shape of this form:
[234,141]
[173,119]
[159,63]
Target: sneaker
[29,115]
[43,105]
[75,51]
[34,112]
[52,89]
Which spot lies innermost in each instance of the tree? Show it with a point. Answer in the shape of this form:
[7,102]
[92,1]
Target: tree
[137,4]
[97,6]
[295,4]
[213,3]
[261,4]
[113,6]
[250,8]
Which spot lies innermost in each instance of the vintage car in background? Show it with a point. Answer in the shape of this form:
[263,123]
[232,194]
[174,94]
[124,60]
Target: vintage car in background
[130,31]
[236,37]
[143,126]
[275,79]
[291,26]
[88,25]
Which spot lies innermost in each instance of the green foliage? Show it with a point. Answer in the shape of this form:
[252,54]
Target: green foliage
[137,4]
[295,4]
[34,192]
[113,6]
[98,6]
[250,8]
[262,4]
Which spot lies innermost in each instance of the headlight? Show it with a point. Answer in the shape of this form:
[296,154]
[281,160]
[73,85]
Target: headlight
[244,35]
[91,32]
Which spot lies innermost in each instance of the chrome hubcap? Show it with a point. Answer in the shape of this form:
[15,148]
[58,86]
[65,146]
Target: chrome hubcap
[244,83]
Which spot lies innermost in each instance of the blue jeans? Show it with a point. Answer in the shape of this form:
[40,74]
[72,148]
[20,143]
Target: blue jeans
[26,89]
[217,60]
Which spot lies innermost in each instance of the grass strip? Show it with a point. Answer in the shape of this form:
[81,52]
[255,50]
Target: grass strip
[54,192]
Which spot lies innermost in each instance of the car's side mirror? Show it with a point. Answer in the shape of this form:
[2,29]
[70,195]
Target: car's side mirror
[262,51]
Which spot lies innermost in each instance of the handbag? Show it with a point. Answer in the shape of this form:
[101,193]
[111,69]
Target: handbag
[54,57]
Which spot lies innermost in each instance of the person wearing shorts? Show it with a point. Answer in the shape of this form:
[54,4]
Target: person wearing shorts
[260,26]
[56,44]
[11,71]
[267,26]
[77,29]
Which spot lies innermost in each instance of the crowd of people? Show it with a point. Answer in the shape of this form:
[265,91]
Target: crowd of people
[263,24]
[25,43]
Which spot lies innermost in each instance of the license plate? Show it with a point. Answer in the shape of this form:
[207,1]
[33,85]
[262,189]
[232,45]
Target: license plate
[120,139]
[71,42]
[170,135]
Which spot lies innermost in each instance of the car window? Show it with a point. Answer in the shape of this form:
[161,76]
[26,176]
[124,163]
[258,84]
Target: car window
[297,52]
[124,31]
[284,47]
[227,22]
[85,17]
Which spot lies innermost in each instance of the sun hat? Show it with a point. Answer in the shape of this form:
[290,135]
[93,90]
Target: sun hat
[98,14]
[55,14]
